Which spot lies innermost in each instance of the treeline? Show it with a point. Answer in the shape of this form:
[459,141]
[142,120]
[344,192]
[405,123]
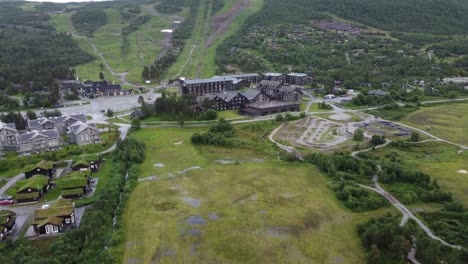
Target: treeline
[160,66]
[87,20]
[387,242]
[88,244]
[171,6]
[170,107]
[346,172]
[12,15]
[134,23]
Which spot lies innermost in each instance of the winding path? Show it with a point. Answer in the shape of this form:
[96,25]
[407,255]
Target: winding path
[407,214]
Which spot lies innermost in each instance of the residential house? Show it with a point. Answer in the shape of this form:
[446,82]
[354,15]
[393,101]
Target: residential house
[38,141]
[7,223]
[81,165]
[8,134]
[46,168]
[298,78]
[61,123]
[272,76]
[55,219]
[207,86]
[75,184]
[83,134]
[32,189]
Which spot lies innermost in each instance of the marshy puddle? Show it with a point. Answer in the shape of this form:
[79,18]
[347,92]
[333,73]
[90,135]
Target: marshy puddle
[189,169]
[191,201]
[150,178]
[196,220]
[213,216]
[178,143]
[193,232]
[159,165]
[232,162]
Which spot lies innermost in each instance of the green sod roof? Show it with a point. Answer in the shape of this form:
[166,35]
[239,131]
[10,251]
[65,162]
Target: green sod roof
[24,196]
[43,164]
[62,208]
[73,180]
[36,182]
[4,215]
[80,162]
[71,192]
[49,220]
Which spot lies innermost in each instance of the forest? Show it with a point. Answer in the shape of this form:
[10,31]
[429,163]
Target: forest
[87,20]
[435,17]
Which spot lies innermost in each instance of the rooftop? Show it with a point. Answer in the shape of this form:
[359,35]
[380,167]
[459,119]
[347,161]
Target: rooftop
[273,74]
[295,74]
[214,79]
[43,164]
[35,182]
[271,104]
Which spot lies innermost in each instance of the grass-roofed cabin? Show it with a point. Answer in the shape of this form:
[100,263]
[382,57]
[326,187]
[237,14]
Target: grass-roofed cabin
[32,189]
[81,165]
[55,219]
[44,167]
[7,223]
[74,184]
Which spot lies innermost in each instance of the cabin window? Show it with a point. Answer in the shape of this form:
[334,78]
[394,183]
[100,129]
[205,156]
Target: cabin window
[67,221]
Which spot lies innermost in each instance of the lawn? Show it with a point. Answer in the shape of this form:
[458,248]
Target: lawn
[448,121]
[259,211]
[439,160]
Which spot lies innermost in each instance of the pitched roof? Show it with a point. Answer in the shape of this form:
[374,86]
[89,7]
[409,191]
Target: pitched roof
[214,79]
[70,192]
[43,164]
[35,182]
[269,84]
[73,180]
[56,119]
[250,94]
[227,96]
[62,208]
[79,127]
[377,92]
[80,162]
[9,126]
[22,196]
[26,137]
[6,217]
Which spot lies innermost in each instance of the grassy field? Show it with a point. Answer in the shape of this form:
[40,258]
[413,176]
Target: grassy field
[439,160]
[253,211]
[448,121]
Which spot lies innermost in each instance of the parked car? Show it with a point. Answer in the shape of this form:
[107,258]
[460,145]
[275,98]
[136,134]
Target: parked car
[7,202]
[5,197]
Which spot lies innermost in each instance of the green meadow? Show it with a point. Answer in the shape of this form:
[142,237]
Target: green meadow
[448,121]
[232,205]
